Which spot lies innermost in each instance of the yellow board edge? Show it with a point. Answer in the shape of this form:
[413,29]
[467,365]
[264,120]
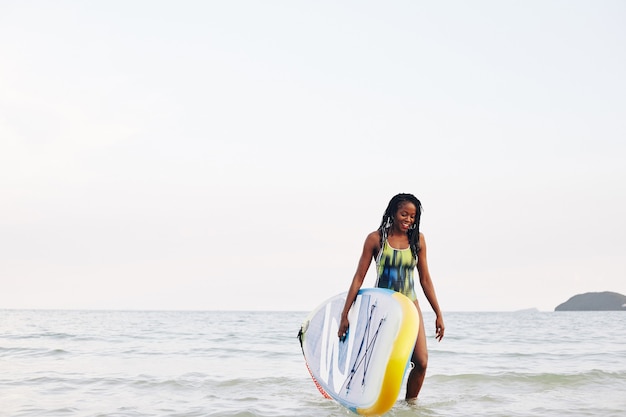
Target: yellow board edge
[403,347]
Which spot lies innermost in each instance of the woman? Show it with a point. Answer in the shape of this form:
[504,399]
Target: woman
[398,248]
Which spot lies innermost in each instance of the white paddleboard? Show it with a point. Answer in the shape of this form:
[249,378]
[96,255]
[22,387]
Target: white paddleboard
[365,372]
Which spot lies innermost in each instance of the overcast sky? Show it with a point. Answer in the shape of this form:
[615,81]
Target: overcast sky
[235,154]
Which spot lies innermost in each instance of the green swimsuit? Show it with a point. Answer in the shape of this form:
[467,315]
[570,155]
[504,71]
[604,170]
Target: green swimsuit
[395,270]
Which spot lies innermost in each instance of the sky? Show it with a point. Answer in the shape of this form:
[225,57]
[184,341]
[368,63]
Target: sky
[233,155]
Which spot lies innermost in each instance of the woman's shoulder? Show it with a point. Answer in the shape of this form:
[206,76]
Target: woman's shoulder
[374,235]
[422,241]
[373,238]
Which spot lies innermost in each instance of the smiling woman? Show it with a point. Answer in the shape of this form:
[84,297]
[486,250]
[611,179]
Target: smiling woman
[398,248]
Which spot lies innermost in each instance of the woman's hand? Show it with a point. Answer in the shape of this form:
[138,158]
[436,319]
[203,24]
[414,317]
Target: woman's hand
[343,328]
[439,328]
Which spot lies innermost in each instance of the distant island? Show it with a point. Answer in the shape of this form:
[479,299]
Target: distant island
[594,301]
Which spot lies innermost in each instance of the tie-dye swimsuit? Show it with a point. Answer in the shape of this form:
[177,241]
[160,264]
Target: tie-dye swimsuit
[395,270]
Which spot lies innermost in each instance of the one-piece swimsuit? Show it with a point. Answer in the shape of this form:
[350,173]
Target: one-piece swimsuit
[395,270]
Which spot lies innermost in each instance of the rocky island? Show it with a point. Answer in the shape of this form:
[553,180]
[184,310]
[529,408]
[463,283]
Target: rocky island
[594,301]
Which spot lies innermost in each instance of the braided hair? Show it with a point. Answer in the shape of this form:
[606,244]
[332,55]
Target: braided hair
[390,213]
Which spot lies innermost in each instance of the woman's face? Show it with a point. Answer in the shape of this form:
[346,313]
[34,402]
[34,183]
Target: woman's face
[405,216]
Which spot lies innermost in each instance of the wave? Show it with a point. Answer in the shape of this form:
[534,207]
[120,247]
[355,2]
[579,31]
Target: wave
[16,352]
[54,336]
[547,378]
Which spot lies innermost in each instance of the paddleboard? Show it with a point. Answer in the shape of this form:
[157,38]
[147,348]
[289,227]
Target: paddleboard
[365,371]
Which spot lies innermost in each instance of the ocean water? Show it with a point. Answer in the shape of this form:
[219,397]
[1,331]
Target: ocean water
[249,364]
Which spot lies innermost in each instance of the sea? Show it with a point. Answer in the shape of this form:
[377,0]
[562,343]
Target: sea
[250,364]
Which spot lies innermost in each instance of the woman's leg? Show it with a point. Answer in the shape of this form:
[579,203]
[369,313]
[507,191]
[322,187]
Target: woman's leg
[420,361]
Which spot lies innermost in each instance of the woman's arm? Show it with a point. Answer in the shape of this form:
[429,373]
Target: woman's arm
[428,287]
[370,247]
